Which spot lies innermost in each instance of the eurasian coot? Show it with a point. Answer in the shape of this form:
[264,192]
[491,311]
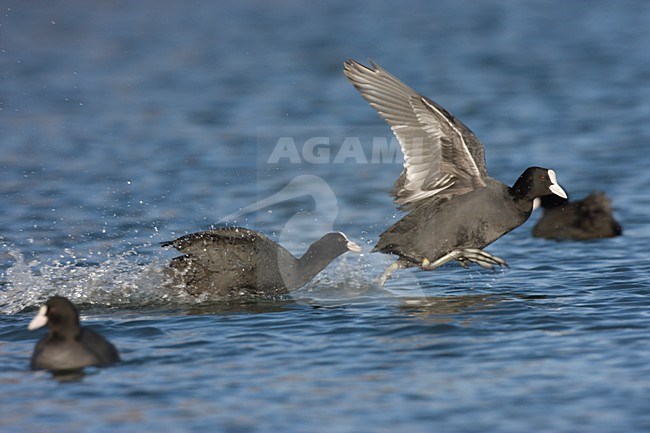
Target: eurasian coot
[68,345]
[455,208]
[238,262]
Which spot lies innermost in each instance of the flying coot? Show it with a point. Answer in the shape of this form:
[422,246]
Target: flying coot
[238,262]
[455,208]
[589,218]
[68,345]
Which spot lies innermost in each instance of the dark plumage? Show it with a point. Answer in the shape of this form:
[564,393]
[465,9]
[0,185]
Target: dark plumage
[68,345]
[236,262]
[588,218]
[455,208]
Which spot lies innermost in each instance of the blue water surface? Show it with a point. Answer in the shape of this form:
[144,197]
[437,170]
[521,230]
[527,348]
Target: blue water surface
[126,124]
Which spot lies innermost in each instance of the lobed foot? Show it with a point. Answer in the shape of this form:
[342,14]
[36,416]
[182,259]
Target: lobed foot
[464,257]
[481,258]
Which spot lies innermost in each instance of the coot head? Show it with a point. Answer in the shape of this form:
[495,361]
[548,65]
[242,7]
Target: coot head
[537,182]
[333,244]
[338,242]
[59,314]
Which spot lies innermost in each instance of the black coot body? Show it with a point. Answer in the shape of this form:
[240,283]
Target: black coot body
[455,208]
[237,262]
[68,345]
[472,220]
[589,218]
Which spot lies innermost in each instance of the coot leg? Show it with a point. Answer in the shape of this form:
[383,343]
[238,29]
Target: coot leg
[381,280]
[430,266]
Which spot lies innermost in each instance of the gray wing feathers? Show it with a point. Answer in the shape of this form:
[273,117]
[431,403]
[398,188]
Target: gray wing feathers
[437,160]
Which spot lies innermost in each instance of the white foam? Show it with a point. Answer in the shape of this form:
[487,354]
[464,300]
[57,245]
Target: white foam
[116,281]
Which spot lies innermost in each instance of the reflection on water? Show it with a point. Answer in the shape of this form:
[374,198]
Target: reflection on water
[439,309]
[259,306]
[68,375]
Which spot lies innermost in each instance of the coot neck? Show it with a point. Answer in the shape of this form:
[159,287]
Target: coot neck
[314,260]
[520,193]
[68,330]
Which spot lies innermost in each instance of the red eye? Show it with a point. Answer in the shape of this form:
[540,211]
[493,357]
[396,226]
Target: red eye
[542,178]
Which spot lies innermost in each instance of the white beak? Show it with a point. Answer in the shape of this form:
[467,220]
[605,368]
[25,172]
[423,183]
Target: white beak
[555,188]
[354,247]
[39,320]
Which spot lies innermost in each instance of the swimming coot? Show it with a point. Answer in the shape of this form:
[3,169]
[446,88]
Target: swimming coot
[68,345]
[237,262]
[455,208]
[588,218]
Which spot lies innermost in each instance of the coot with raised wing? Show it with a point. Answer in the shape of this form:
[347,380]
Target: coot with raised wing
[238,262]
[455,208]
[589,218]
[68,345]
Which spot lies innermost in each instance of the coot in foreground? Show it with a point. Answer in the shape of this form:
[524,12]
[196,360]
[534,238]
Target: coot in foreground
[68,345]
[589,218]
[455,208]
[236,262]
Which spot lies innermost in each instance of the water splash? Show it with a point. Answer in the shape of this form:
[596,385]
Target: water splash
[119,280]
[124,281]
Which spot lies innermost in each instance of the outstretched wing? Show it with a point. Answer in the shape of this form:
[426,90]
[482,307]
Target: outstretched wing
[442,157]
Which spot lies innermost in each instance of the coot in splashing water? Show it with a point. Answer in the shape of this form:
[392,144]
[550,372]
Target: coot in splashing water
[456,209]
[238,262]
